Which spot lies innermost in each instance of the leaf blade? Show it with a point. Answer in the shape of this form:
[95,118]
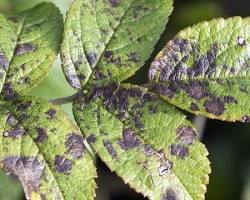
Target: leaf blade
[206,72]
[102,36]
[116,121]
[50,160]
[35,39]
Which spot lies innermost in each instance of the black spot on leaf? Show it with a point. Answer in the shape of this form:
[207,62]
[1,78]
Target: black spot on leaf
[114,3]
[165,167]
[230,99]
[74,144]
[129,140]
[108,54]
[170,195]
[24,106]
[195,90]
[24,48]
[62,164]
[51,113]
[91,139]
[186,134]
[4,62]
[214,106]
[109,147]
[179,151]
[28,169]
[92,58]
[41,135]
[8,91]
[194,107]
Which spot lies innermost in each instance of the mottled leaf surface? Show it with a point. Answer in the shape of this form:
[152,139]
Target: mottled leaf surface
[145,141]
[29,43]
[45,151]
[109,40]
[205,69]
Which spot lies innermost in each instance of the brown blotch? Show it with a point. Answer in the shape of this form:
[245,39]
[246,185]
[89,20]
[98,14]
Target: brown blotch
[129,140]
[179,151]
[214,106]
[24,106]
[13,19]
[194,107]
[4,62]
[165,167]
[62,164]
[24,48]
[51,113]
[186,134]
[28,170]
[41,135]
[74,144]
[109,147]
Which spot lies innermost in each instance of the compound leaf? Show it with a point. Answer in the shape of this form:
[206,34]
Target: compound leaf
[145,141]
[205,69]
[45,151]
[109,40]
[29,43]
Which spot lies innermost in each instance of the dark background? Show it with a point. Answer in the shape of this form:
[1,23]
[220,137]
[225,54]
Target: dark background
[227,143]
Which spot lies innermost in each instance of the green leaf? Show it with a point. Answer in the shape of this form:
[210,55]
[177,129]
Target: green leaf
[109,40]
[45,151]
[29,43]
[145,141]
[205,69]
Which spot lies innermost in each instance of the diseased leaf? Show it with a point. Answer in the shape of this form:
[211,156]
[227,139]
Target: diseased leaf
[29,43]
[109,40]
[145,141]
[205,69]
[45,151]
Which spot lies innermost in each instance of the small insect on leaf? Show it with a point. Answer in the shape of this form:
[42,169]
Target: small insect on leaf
[109,40]
[205,69]
[29,43]
[146,141]
[46,153]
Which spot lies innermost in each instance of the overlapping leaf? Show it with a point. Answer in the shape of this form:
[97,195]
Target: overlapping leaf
[29,43]
[45,151]
[205,69]
[109,40]
[145,141]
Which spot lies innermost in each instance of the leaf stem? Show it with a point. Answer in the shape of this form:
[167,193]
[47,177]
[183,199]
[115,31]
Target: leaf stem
[64,100]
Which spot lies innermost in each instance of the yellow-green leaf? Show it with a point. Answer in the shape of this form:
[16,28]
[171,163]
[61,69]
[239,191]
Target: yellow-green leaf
[42,147]
[205,69]
[145,141]
[29,43]
[109,40]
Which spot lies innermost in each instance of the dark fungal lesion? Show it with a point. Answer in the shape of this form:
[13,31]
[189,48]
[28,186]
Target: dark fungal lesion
[169,195]
[51,113]
[8,92]
[74,144]
[42,135]
[14,129]
[62,164]
[4,62]
[129,140]
[24,48]
[214,106]
[29,171]
[110,149]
